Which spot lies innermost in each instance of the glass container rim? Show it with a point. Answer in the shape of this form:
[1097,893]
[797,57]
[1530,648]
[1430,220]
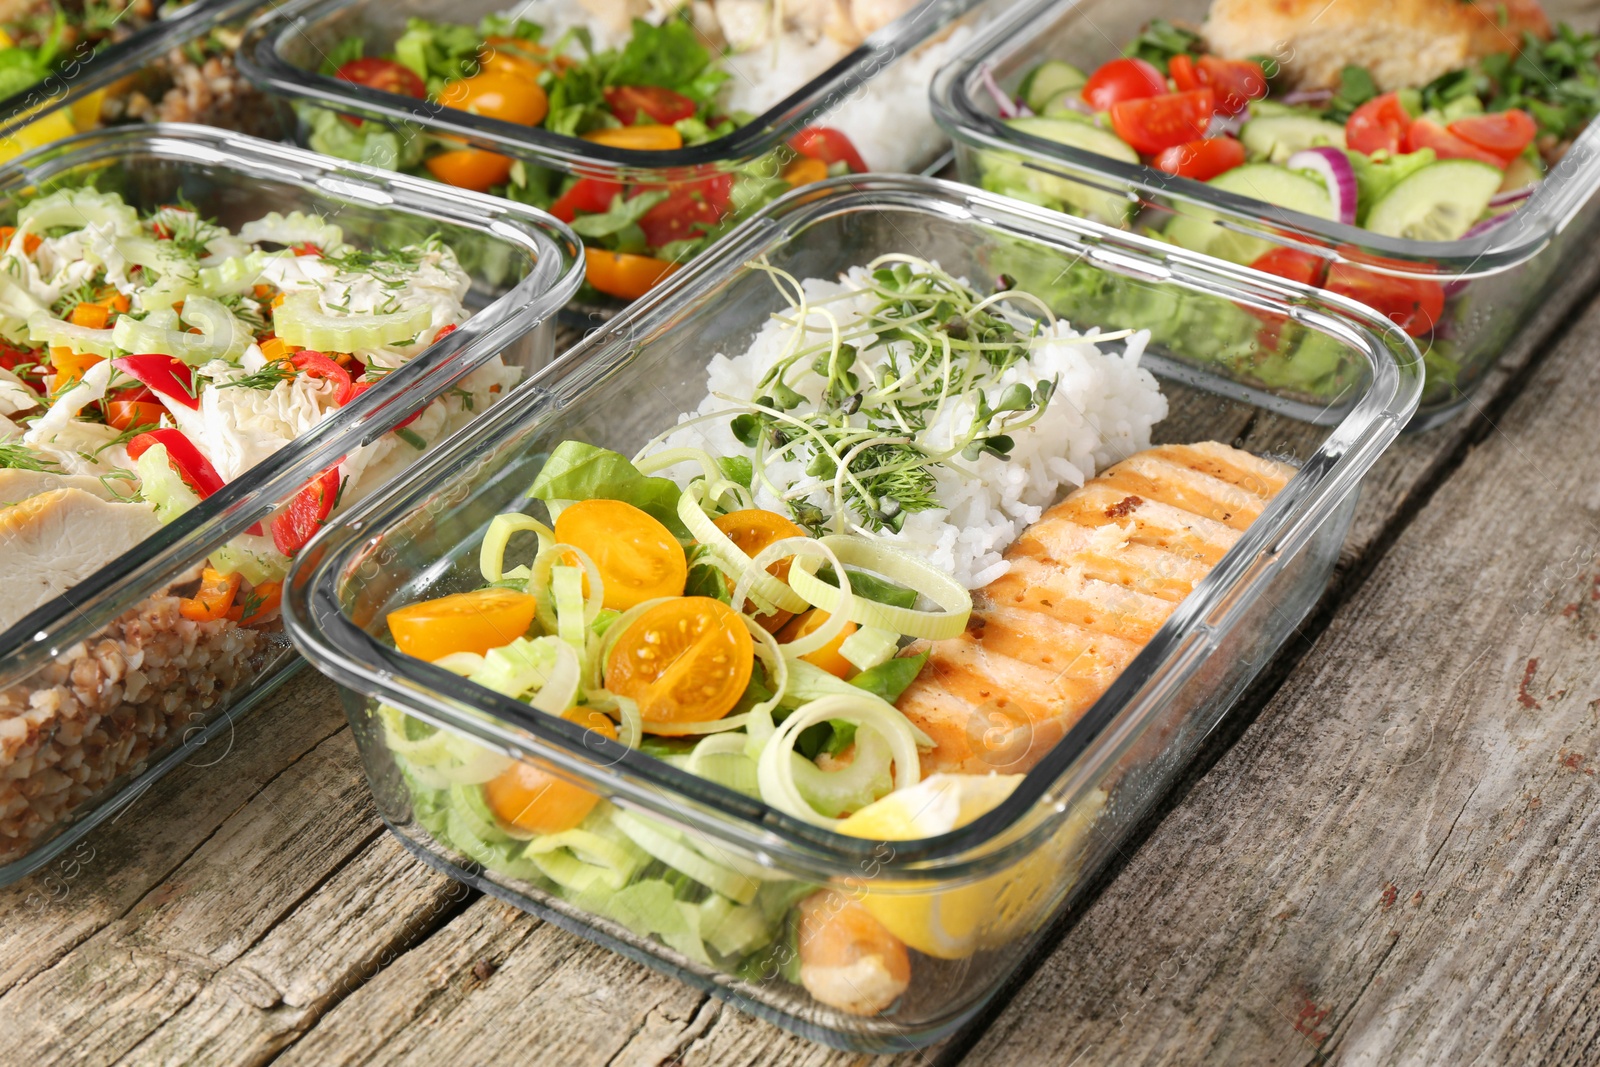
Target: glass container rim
[41,635]
[344,651]
[261,60]
[1565,190]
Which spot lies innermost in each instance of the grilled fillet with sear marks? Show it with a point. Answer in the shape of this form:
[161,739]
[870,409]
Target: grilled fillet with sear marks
[1089,584]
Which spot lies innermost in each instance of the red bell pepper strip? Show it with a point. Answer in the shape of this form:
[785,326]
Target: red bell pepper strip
[307,511]
[317,365]
[169,378]
[828,145]
[192,466]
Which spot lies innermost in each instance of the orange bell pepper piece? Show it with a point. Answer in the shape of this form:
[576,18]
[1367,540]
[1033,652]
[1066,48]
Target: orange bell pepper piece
[638,138]
[213,599]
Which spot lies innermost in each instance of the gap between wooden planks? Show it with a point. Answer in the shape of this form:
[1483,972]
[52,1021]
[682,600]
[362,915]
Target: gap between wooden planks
[273,919]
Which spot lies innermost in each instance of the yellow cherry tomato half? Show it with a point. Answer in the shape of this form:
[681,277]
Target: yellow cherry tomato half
[804,171]
[534,800]
[462,622]
[828,657]
[638,558]
[622,274]
[470,168]
[685,661]
[752,530]
[499,57]
[497,94]
[638,138]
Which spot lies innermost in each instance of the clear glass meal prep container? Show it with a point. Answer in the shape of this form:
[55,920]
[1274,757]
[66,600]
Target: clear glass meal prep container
[79,89]
[420,539]
[282,55]
[121,716]
[1492,282]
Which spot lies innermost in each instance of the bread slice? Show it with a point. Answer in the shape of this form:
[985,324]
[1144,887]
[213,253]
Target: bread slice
[1402,43]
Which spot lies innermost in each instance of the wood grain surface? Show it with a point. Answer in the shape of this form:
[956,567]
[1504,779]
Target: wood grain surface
[1386,867]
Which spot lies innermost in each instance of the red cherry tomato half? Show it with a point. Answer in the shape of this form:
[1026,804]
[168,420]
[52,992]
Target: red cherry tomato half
[1151,124]
[1201,160]
[591,196]
[1121,80]
[1505,133]
[384,75]
[1235,81]
[1413,304]
[307,511]
[661,105]
[1378,125]
[1185,75]
[1427,134]
[829,145]
[690,209]
[1292,264]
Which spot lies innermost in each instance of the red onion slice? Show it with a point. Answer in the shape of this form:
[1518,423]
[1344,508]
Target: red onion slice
[1008,108]
[1333,167]
[1228,124]
[1490,223]
[1308,96]
[1513,196]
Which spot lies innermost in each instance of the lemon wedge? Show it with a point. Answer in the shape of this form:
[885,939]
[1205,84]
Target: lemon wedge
[956,922]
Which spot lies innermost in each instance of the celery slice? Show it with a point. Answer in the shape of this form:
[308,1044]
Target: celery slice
[299,320]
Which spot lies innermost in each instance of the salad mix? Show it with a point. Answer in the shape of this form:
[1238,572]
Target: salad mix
[53,40]
[149,358]
[659,91]
[766,618]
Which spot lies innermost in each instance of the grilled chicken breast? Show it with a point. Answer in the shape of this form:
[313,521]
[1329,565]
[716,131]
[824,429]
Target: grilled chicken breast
[1403,43]
[1089,584]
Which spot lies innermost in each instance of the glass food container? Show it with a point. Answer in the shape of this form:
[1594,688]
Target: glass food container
[116,83]
[1490,283]
[1017,866]
[106,687]
[875,93]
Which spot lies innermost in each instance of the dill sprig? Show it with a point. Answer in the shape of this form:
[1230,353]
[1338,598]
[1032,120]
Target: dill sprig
[268,377]
[21,457]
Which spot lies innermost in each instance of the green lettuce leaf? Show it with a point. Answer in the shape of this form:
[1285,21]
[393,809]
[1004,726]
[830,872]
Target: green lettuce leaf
[579,471]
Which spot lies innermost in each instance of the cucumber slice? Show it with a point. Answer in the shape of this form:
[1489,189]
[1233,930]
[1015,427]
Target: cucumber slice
[1006,174]
[1440,202]
[1524,171]
[1064,106]
[1277,138]
[1049,80]
[1196,228]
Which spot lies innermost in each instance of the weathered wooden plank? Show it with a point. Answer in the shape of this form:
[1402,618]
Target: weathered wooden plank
[98,880]
[1397,862]
[368,913]
[210,910]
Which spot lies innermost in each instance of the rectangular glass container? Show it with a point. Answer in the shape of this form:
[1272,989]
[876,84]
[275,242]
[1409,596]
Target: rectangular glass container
[875,93]
[1491,283]
[1064,820]
[105,687]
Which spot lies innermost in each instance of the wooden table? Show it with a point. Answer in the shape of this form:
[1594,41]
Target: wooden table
[1390,853]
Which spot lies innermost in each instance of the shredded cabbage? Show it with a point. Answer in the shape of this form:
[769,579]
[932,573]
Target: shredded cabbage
[292,229]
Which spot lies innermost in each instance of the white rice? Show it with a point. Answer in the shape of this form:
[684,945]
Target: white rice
[1102,411]
[888,119]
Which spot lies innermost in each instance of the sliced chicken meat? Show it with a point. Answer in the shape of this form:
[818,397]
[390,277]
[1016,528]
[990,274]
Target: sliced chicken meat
[57,538]
[1090,583]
